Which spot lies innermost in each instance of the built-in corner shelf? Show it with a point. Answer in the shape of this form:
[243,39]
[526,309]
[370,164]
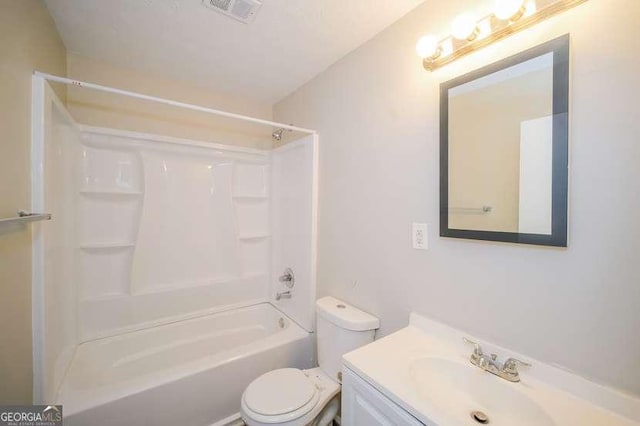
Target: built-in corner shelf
[106,246]
[120,192]
[250,197]
[255,236]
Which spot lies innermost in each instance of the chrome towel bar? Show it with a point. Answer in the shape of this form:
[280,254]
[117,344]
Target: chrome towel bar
[480,210]
[25,217]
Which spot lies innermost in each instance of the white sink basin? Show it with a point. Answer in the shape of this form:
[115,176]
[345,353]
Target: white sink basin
[457,390]
[424,369]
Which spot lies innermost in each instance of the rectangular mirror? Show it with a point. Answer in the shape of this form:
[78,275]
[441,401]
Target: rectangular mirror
[504,149]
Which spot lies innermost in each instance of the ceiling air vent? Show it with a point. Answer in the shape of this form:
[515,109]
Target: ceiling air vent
[241,10]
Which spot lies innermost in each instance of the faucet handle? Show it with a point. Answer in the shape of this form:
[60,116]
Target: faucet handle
[288,278]
[511,365]
[477,350]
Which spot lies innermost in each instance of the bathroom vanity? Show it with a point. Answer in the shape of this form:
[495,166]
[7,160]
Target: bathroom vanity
[363,404]
[422,374]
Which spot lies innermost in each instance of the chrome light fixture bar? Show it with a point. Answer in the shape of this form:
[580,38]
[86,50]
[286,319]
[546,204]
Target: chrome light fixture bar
[469,35]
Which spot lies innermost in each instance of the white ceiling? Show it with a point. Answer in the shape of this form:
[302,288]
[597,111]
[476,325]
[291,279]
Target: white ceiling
[289,43]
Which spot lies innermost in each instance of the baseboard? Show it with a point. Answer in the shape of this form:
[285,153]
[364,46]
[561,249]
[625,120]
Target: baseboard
[232,420]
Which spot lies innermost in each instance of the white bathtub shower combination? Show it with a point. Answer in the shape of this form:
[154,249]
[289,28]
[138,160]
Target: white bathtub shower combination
[155,283]
[187,372]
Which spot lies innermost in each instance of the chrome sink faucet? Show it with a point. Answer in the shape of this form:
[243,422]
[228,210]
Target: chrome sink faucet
[507,370]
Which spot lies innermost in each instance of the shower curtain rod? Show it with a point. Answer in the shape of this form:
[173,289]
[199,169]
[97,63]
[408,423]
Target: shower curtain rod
[84,84]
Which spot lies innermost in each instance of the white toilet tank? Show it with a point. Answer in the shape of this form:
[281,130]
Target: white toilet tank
[341,328]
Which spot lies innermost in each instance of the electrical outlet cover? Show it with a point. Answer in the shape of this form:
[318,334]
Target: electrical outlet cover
[420,236]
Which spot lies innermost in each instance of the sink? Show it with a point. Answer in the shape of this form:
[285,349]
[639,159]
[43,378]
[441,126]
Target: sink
[425,370]
[456,390]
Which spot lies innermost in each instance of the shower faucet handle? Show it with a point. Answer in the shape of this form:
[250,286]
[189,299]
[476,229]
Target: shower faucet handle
[288,278]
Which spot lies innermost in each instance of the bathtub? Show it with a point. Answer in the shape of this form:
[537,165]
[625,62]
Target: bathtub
[190,372]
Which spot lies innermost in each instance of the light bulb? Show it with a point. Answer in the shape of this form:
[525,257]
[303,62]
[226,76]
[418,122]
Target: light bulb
[507,9]
[484,28]
[463,27]
[427,46]
[530,7]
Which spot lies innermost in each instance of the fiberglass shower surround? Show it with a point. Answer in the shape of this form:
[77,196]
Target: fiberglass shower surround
[149,230]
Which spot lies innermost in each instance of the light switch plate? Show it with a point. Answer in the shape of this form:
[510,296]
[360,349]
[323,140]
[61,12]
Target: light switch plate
[420,236]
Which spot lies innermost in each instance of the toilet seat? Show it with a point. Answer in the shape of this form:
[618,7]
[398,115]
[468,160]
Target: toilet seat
[280,396]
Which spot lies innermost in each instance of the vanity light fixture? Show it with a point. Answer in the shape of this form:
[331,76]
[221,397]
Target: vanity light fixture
[469,34]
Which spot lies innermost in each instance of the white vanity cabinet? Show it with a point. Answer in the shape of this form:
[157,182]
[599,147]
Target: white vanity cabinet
[363,405]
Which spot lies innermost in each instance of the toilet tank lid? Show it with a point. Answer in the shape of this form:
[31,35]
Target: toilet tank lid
[346,316]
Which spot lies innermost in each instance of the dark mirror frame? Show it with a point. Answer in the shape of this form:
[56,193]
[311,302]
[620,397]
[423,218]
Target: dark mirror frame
[560,152]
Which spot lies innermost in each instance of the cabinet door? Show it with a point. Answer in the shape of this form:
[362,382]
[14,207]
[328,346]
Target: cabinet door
[363,405]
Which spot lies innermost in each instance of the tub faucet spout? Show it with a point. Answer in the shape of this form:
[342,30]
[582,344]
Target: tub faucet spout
[283,295]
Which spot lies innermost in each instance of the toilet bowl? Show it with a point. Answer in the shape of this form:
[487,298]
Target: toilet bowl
[294,397]
[289,396]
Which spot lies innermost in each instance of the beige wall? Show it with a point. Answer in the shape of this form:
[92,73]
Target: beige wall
[377,114]
[108,110]
[28,41]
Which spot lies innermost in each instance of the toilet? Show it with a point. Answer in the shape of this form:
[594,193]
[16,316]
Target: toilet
[293,397]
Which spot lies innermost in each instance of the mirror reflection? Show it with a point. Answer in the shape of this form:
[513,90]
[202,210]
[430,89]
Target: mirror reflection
[500,146]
